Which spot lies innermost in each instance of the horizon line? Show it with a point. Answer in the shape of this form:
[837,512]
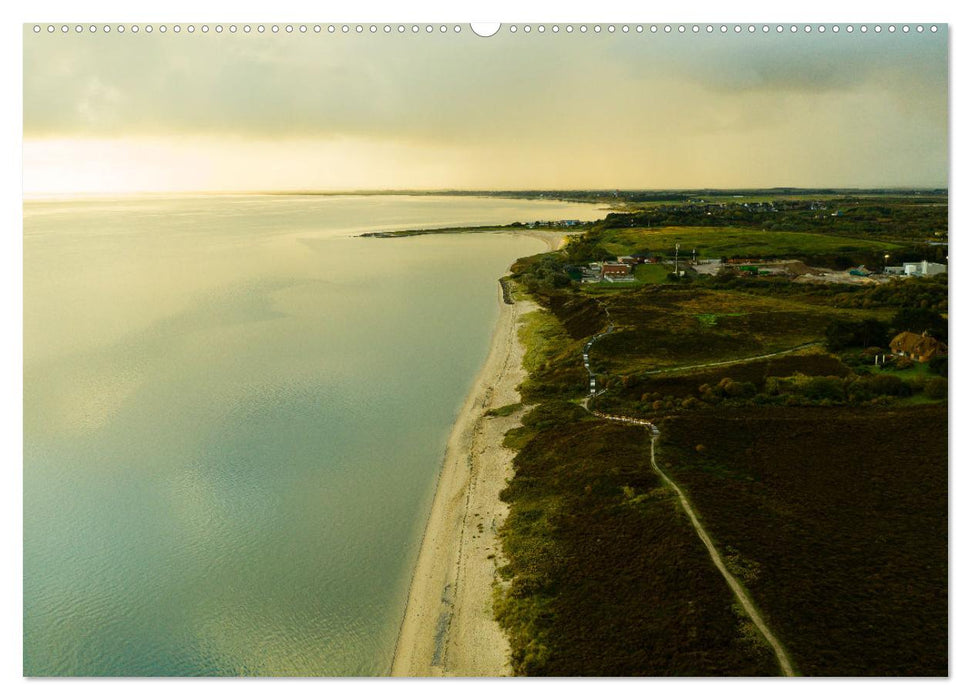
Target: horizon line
[479,191]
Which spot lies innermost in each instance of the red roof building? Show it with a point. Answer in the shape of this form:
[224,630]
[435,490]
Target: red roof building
[616,269]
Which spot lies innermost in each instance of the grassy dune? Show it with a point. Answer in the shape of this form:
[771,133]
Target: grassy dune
[716,242]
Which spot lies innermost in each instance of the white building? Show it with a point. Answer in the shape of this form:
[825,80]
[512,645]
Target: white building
[917,269]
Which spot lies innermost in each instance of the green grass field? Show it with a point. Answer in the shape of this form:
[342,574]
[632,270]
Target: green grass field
[652,274]
[919,369]
[670,325]
[717,242]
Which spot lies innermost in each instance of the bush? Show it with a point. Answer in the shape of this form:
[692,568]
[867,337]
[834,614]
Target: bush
[859,390]
[902,362]
[887,385]
[824,389]
[553,413]
[936,388]
[938,365]
[729,388]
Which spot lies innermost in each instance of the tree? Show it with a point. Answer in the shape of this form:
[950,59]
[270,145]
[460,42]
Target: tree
[582,251]
[918,320]
[841,334]
[938,365]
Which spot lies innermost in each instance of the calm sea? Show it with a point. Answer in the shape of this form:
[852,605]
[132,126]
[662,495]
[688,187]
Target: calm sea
[234,417]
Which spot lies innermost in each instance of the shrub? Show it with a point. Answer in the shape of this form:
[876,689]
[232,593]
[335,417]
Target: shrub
[859,390]
[552,413]
[938,365]
[887,385]
[728,387]
[903,362]
[824,389]
[936,388]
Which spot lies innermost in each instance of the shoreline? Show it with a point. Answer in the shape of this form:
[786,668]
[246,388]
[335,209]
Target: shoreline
[554,238]
[448,628]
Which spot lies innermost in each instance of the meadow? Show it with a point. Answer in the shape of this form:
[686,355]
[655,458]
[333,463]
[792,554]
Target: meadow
[671,325]
[718,242]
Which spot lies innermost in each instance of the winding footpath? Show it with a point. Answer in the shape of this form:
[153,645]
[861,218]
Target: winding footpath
[741,595]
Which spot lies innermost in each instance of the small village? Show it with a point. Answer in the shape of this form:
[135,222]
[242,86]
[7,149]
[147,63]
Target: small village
[623,269]
[905,348]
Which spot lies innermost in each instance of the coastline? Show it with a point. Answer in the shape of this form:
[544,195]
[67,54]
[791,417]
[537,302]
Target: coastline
[553,237]
[448,628]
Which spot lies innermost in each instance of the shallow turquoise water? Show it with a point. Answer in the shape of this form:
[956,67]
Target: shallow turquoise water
[234,416]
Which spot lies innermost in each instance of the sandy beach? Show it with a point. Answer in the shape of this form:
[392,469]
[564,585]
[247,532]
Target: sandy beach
[448,628]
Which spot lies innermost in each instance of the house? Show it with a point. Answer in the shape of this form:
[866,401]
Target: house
[591,273]
[920,347]
[616,269]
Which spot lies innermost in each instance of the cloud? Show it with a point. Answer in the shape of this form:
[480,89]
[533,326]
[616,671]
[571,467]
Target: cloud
[630,104]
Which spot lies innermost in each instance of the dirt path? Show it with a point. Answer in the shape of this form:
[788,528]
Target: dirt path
[741,595]
[740,361]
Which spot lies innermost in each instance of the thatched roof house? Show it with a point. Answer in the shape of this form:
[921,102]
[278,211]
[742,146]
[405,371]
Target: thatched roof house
[917,347]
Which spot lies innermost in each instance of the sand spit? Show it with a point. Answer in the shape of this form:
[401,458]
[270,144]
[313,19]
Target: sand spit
[448,628]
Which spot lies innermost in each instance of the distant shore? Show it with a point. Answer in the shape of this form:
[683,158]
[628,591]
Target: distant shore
[448,627]
[554,237]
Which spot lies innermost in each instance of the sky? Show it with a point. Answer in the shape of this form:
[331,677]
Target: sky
[318,111]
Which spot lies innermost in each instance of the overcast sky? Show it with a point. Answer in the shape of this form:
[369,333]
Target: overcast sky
[320,111]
